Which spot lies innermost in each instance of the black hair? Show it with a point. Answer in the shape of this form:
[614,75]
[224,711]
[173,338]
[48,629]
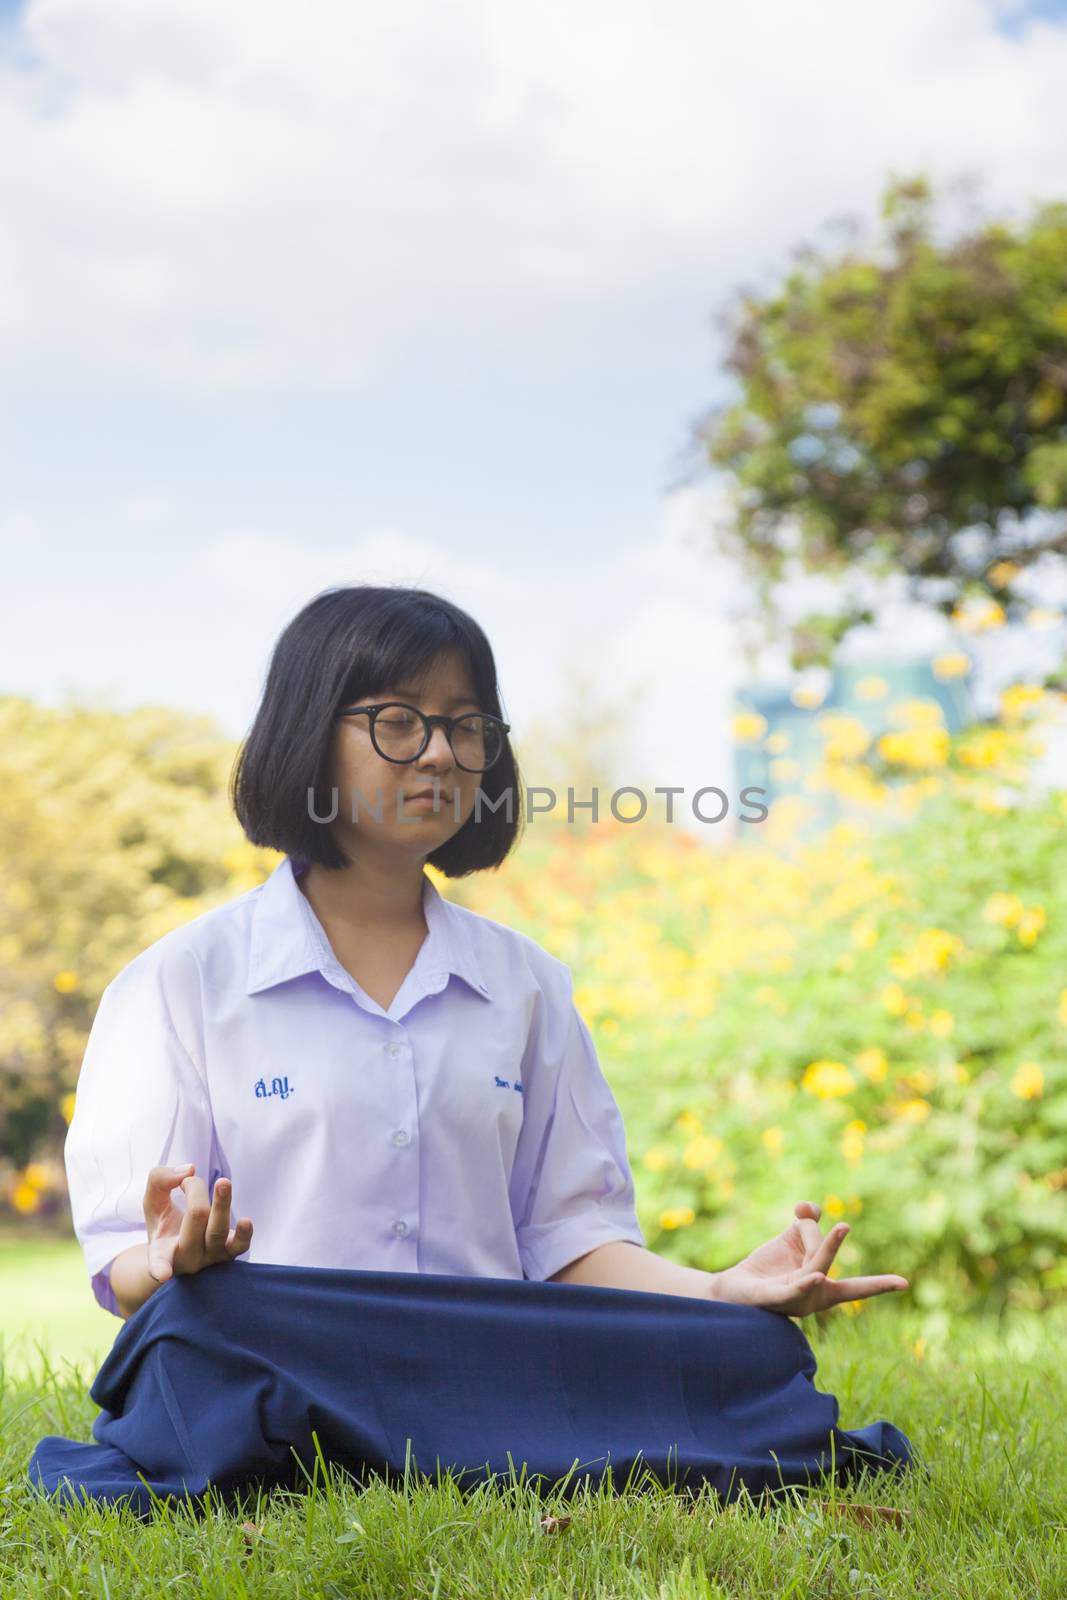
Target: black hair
[347,643]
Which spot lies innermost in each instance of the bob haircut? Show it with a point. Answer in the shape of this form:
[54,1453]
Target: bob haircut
[347,643]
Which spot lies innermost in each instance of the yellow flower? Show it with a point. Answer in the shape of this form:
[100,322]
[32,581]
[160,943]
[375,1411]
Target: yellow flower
[702,1151]
[827,1079]
[852,1142]
[984,748]
[748,725]
[1029,1081]
[807,696]
[852,1308]
[686,1122]
[66,1106]
[915,1110]
[920,1348]
[772,1140]
[935,947]
[872,1064]
[66,982]
[953,664]
[864,933]
[961,1073]
[872,689]
[894,999]
[918,712]
[833,1205]
[25,1198]
[978,614]
[1005,909]
[1002,573]
[37,1176]
[1041,619]
[846,737]
[1030,924]
[913,1018]
[656,1159]
[1018,698]
[941,1023]
[1063,1006]
[776,743]
[677,1217]
[915,747]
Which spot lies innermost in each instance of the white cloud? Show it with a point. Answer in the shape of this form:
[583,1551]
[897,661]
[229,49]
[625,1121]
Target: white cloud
[252,192]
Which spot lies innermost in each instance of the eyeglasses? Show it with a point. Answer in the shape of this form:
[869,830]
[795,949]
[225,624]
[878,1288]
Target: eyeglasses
[401,733]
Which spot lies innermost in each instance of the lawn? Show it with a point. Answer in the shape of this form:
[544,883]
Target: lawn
[984,1407]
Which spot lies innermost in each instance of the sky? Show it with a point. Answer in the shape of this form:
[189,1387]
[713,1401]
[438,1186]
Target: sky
[292,297]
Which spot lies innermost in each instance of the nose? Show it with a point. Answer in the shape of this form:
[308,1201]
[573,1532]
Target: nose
[438,752]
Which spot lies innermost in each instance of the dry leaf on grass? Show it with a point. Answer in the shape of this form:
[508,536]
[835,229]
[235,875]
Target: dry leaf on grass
[868,1516]
[555,1524]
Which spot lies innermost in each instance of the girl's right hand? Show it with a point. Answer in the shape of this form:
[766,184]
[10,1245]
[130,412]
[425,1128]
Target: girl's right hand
[184,1242]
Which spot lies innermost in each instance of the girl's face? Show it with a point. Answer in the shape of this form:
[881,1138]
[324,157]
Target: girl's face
[416,829]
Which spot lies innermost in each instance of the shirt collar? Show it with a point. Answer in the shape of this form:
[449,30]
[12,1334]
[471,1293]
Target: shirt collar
[287,939]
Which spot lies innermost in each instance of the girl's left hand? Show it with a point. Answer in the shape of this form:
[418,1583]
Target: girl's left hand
[788,1274]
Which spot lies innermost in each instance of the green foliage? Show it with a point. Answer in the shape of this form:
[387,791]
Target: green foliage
[893,397]
[116,829]
[946,1152]
[875,1021]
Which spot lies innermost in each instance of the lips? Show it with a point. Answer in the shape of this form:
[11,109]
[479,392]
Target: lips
[426,794]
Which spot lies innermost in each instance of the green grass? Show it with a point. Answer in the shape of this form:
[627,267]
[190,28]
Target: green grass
[45,1296]
[985,1407]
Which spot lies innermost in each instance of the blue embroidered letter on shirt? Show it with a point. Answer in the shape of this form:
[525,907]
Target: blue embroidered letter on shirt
[279,1086]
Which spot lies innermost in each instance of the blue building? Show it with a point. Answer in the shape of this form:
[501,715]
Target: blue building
[779,758]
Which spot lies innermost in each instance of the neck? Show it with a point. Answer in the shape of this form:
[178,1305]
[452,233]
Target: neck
[367,893]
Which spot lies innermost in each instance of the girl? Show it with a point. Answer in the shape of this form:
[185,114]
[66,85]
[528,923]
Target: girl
[380,1078]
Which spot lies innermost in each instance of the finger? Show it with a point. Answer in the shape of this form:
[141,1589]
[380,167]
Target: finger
[161,1257]
[839,1289]
[807,1214]
[218,1223]
[241,1238]
[800,1299]
[191,1245]
[158,1186]
[822,1258]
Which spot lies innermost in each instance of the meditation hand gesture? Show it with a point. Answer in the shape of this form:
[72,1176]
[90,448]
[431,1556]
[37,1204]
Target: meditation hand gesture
[788,1274]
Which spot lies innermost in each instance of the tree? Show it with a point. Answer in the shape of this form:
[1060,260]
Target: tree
[117,828]
[902,409]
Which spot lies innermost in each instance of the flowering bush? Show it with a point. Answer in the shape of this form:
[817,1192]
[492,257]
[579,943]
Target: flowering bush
[876,1020]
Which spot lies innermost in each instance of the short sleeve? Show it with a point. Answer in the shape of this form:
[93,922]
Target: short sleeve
[573,1187]
[140,1102]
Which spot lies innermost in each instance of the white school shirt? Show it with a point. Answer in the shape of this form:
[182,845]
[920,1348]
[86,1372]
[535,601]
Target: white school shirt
[467,1129]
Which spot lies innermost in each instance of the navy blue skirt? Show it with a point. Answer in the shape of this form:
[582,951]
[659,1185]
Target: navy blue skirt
[232,1376]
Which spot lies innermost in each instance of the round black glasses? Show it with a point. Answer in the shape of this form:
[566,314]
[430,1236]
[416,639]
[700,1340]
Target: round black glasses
[401,733]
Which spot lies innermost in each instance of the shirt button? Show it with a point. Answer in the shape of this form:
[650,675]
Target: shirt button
[393,1049]
[400,1228]
[400,1137]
